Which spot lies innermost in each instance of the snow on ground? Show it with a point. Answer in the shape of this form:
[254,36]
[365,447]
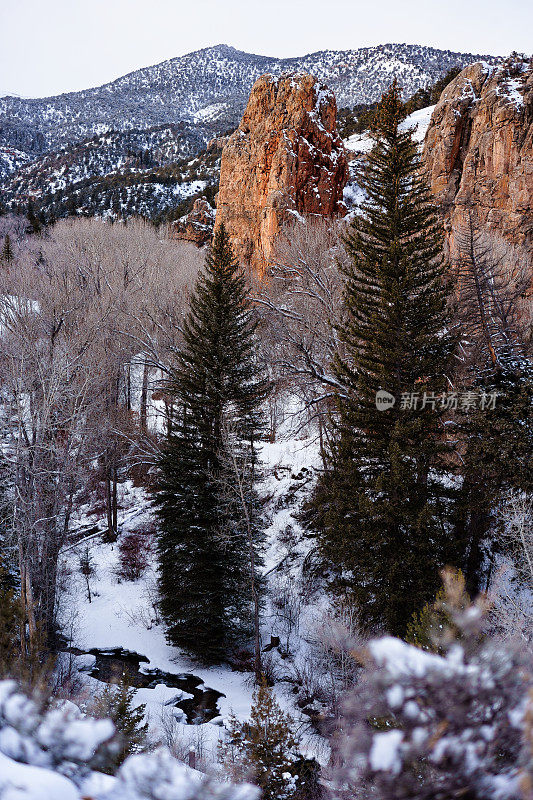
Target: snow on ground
[121,616]
[359,143]
[285,460]
[121,613]
[515,92]
[419,120]
[362,143]
[52,753]
[353,195]
[33,783]
[11,159]
[210,112]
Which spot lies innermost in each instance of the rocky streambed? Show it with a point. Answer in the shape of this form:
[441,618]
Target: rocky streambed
[115,664]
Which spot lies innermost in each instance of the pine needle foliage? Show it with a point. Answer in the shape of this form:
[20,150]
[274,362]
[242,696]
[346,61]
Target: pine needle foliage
[497,445]
[264,749]
[381,507]
[218,388]
[116,702]
[10,626]
[7,253]
[435,621]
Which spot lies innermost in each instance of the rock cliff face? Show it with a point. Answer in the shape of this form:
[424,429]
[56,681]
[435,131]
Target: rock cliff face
[197,225]
[286,158]
[479,149]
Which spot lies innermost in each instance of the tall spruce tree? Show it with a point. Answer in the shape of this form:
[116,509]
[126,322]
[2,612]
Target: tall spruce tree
[204,550]
[381,506]
[7,254]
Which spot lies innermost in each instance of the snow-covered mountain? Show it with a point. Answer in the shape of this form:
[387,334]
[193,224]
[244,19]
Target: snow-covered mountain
[211,86]
[127,147]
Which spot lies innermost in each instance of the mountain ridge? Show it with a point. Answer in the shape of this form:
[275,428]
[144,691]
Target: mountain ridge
[213,83]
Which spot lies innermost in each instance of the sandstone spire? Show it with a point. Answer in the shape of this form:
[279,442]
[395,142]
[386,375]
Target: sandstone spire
[286,158]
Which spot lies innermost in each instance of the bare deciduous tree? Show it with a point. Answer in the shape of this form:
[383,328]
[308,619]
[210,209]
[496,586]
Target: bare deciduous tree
[512,586]
[301,305]
[77,306]
[492,283]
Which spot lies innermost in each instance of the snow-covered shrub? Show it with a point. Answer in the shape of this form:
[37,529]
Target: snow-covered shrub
[60,739]
[424,725]
[511,590]
[158,776]
[326,669]
[181,739]
[53,755]
[337,635]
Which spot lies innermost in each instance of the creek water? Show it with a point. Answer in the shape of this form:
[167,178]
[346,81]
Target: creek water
[113,664]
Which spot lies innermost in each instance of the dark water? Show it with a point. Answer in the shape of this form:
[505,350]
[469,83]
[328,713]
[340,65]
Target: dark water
[114,664]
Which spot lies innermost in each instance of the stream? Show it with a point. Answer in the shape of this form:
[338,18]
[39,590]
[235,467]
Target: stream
[112,664]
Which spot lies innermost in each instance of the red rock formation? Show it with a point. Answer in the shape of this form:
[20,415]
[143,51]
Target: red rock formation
[479,150]
[286,158]
[197,225]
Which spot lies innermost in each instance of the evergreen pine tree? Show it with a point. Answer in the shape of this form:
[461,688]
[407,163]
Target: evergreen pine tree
[380,507]
[34,223]
[498,442]
[116,703]
[7,254]
[264,748]
[10,625]
[428,626]
[218,387]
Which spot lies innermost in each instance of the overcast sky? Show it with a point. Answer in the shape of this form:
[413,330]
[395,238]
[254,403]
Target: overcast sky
[53,46]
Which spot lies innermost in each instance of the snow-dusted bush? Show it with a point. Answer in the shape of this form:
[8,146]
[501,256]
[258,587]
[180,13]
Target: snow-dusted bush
[54,755]
[422,725]
[511,590]
[158,776]
[60,739]
[134,550]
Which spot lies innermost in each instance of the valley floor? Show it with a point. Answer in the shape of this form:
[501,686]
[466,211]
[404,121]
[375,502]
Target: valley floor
[122,615]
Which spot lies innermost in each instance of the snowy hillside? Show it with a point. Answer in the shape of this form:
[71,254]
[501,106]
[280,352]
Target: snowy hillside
[11,160]
[212,85]
[106,153]
[120,627]
[148,173]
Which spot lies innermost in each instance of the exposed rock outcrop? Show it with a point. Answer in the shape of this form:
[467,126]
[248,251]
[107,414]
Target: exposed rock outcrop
[197,225]
[479,150]
[286,158]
